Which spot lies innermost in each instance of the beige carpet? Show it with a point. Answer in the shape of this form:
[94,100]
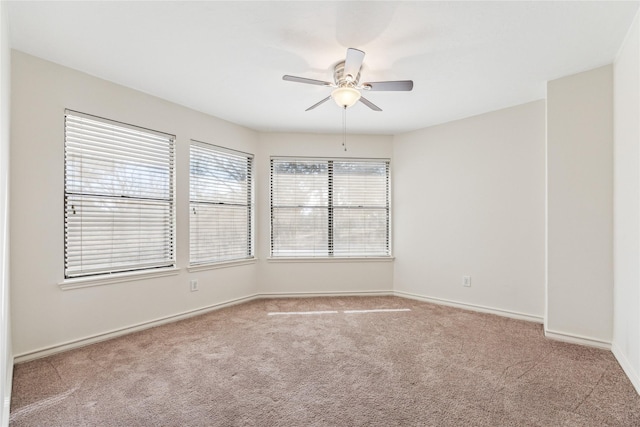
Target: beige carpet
[242,366]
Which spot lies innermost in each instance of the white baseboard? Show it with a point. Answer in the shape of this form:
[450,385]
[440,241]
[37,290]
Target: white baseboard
[324,294]
[47,351]
[577,339]
[472,307]
[627,367]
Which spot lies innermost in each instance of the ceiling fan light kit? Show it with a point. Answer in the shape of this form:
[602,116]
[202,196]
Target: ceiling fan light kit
[346,96]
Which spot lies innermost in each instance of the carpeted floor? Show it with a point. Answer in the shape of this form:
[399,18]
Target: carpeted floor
[246,365]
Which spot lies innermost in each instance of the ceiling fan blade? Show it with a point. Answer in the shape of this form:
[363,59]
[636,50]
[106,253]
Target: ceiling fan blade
[370,104]
[318,103]
[304,80]
[353,62]
[398,85]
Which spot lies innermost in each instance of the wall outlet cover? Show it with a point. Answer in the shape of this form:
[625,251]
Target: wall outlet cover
[466,281]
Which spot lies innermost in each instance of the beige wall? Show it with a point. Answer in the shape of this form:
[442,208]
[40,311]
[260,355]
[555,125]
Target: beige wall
[626,302]
[43,315]
[469,200]
[306,276]
[6,354]
[580,206]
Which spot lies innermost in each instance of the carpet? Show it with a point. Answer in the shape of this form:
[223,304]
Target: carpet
[344,361]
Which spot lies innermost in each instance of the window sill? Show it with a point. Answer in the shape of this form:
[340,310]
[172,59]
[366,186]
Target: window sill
[86,282]
[222,264]
[331,259]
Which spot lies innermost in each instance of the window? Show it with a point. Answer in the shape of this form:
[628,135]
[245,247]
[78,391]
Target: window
[221,204]
[330,208]
[118,197]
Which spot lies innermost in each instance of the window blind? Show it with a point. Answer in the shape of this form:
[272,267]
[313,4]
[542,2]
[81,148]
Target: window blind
[325,208]
[221,204]
[119,197]
[361,208]
[299,208]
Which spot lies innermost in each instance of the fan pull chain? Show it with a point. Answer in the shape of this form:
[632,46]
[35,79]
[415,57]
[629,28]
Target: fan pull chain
[344,128]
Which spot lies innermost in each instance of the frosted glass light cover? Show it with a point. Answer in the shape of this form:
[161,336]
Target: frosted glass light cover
[345,96]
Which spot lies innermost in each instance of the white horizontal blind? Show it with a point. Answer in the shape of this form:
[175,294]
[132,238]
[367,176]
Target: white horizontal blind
[328,208]
[221,204]
[299,208]
[361,208]
[119,197]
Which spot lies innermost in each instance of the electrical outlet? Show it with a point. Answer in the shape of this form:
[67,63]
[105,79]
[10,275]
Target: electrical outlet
[466,281]
[193,285]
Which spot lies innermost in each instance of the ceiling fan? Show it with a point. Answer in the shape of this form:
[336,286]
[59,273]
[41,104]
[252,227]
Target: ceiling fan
[347,86]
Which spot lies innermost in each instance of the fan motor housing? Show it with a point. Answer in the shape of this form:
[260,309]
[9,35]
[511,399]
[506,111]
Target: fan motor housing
[342,80]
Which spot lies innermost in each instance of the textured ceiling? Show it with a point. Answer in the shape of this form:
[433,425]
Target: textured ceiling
[227,58]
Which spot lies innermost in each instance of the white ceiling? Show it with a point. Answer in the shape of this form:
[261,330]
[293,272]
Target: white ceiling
[227,59]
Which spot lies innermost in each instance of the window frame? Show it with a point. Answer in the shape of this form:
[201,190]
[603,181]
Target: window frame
[330,255]
[114,273]
[250,207]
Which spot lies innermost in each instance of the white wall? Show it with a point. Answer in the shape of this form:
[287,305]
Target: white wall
[580,207]
[626,301]
[42,314]
[277,277]
[469,200]
[6,355]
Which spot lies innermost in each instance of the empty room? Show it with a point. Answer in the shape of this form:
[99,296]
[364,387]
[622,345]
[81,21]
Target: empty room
[292,213]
